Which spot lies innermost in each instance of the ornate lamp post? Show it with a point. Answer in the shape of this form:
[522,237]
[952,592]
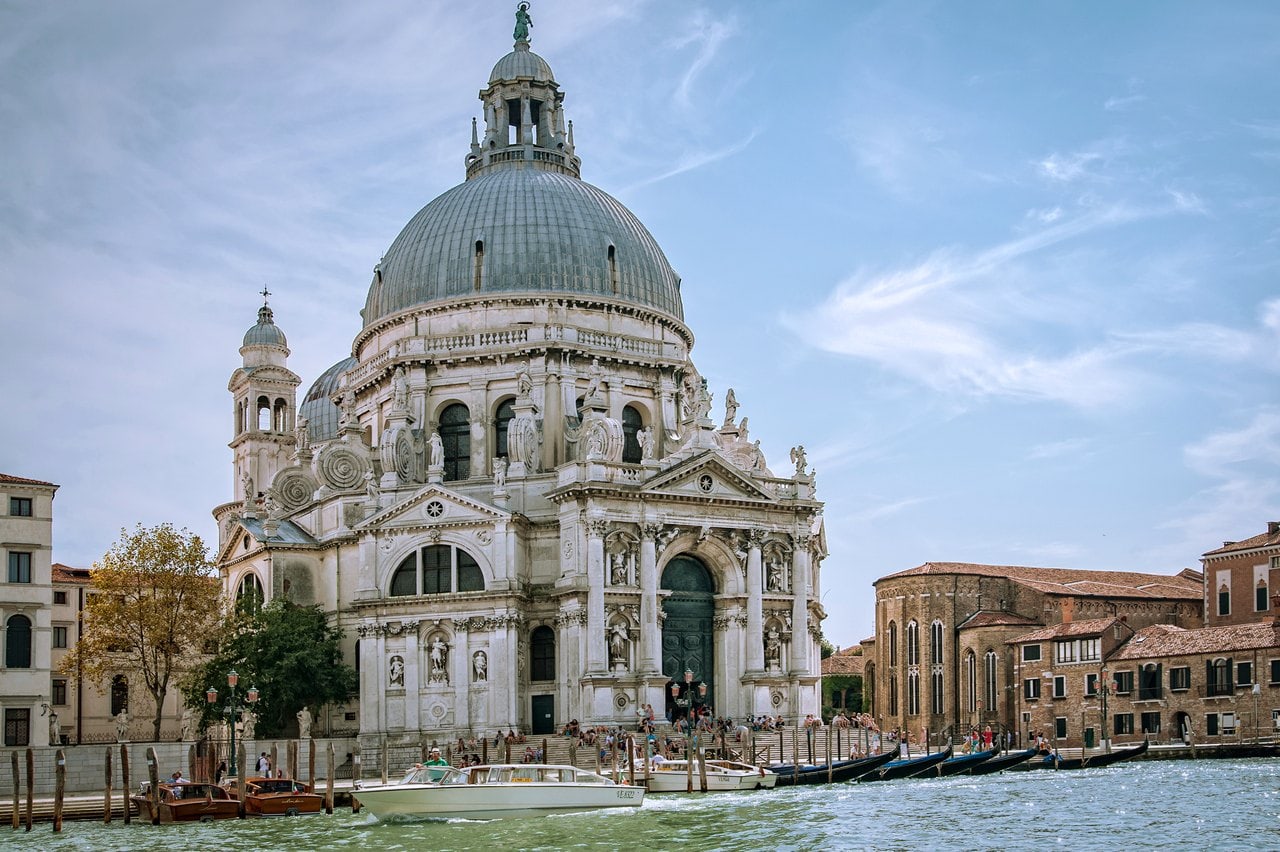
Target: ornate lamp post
[232,711]
[689,696]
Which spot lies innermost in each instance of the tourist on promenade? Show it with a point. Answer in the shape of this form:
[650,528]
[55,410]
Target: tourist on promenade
[264,765]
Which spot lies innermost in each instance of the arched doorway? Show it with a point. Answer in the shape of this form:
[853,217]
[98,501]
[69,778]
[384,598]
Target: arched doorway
[686,630]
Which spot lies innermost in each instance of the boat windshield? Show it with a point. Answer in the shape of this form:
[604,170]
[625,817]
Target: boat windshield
[434,775]
[277,785]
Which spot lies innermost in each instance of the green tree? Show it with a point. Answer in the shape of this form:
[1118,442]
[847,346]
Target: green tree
[827,648]
[289,652]
[155,599]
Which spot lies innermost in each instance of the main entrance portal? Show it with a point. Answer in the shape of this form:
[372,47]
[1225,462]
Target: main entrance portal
[686,628]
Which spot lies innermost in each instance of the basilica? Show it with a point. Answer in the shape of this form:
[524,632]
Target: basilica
[513,495]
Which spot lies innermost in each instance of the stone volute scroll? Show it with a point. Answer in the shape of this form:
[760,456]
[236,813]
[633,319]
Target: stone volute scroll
[524,438]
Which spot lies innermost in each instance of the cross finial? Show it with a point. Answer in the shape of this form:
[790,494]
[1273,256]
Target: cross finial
[265,293]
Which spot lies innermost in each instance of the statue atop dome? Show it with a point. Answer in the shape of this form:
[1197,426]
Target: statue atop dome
[523,22]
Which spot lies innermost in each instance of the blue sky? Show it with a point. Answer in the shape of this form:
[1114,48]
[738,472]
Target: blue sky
[1007,270]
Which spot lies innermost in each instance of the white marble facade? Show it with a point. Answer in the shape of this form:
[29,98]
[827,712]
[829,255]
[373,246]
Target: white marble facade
[512,496]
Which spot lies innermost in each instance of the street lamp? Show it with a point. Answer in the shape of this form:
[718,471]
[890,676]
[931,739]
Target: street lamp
[689,696]
[232,710]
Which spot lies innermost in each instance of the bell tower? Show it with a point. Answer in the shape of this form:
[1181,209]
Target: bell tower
[264,393]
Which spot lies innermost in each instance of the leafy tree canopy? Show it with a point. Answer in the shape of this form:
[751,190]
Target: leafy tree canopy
[155,597]
[289,652]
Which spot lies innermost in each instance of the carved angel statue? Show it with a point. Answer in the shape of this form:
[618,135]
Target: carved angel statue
[798,459]
[730,408]
[400,387]
[437,450]
[618,642]
[646,440]
[304,724]
[499,474]
[524,381]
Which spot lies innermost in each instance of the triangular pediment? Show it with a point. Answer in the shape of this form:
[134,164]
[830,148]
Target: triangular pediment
[431,506]
[708,476]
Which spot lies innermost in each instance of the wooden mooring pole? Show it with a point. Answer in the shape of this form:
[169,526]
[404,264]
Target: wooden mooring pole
[355,777]
[124,782]
[241,787]
[31,787]
[106,798]
[311,764]
[153,774]
[328,787]
[17,791]
[59,787]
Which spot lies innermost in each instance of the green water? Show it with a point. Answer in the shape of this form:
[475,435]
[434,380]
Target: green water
[1228,805]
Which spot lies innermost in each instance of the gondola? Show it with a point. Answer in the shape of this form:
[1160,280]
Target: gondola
[1001,763]
[1092,761]
[907,768]
[959,763]
[841,770]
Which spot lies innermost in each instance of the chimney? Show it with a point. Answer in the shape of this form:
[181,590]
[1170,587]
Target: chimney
[1273,527]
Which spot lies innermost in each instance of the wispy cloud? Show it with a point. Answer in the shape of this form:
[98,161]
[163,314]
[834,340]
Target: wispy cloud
[708,33]
[695,160]
[929,322]
[1071,447]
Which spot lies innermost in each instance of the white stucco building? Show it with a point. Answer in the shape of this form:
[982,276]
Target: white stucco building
[512,494]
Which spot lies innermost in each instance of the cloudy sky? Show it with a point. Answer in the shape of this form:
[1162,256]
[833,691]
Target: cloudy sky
[1009,271]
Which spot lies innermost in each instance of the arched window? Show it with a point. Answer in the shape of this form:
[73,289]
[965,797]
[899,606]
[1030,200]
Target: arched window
[935,643]
[1260,601]
[989,681]
[501,423]
[913,644]
[869,683]
[971,681]
[279,417]
[631,424]
[542,654]
[264,414]
[613,268]
[455,434]
[119,694]
[893,643]
[17,643]
[478,271]
[249,595]
[436,570]
[913,692]
[1224,600]
[893,693]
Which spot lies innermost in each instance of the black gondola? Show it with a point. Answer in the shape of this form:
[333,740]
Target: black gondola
[907,768]
[1001,763]
[841,770]
[1092,761]
[960,763]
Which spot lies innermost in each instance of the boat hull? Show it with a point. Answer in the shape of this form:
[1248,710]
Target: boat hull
[842,770]
[486,801]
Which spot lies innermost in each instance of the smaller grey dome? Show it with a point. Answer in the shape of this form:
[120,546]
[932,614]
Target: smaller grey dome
[522,63]
[266,332]
[322,415]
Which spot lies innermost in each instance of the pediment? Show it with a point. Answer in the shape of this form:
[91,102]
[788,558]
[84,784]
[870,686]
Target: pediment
[431,506]
[235,543]
[708,476]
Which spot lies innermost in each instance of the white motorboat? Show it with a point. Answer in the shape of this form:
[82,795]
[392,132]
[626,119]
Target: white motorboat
[496,790]
[672,776]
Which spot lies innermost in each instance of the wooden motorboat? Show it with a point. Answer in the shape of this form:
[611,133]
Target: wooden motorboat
[187,801]
[841,770]
[1001,763]
[276,797]
[494,791]
[672,776]
[907,768]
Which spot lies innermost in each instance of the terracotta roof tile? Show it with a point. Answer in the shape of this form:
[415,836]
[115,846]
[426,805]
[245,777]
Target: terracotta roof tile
[66,574]
[1071,581]
[1088,627]
[989,618]
[19,480]
[1270,538]
[1165,640]
[843,664]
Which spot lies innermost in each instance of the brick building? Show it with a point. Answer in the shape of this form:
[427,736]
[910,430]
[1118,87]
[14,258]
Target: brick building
[1239,578]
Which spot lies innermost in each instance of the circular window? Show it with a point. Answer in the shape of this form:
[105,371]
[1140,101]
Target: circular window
[705,482]
[435,509]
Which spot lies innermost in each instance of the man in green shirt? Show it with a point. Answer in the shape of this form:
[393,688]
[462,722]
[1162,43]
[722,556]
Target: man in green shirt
[436,759]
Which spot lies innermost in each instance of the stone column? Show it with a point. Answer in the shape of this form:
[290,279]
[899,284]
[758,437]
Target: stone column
[596,662]
[800,605]
[553,418]
[755,606]
[650,638]
[412,684]
[479,416]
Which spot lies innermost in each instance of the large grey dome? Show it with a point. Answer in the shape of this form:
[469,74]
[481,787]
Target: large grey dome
[322,415]
[526,231]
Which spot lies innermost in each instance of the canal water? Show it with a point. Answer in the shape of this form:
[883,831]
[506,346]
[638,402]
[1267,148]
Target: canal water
[1204,804]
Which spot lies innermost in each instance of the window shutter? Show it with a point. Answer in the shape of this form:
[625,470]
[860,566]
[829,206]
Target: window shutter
[1231,676]
[1159,680]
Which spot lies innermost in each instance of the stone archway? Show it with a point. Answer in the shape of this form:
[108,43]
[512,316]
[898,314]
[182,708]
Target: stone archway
[687,635]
